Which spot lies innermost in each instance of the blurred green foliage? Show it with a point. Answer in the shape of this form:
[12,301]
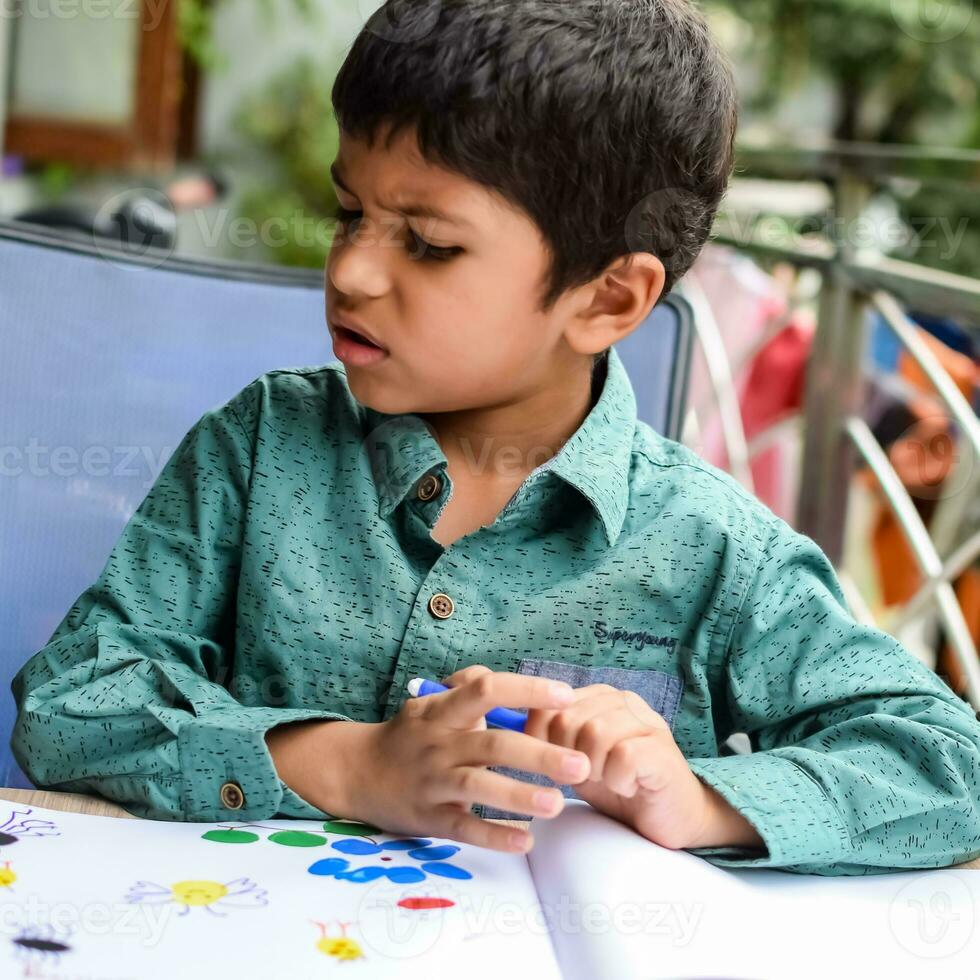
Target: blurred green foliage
[893,64]
[56,179]
[292,125]
[901,70]
[195,27]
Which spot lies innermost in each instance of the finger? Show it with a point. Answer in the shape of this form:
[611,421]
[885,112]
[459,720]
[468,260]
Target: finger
[500,747]
[643,712]
[538,719]
[601,733]
[537,722]
[592,690]
[463,706]
[564,725]
[456,822]
[630,699]
[469,785]
[632,760]
[465,674]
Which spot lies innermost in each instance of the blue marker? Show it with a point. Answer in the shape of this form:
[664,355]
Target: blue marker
[498,717]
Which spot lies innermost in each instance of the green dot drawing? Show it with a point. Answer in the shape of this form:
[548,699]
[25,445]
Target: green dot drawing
[297,838]
[293,838]
[231,836]
[351,828]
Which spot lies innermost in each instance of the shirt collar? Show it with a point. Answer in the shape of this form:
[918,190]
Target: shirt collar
[595,460]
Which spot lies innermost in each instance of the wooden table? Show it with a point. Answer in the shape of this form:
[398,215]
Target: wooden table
[78,803]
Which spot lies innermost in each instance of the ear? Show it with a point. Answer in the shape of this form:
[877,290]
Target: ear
[616,302]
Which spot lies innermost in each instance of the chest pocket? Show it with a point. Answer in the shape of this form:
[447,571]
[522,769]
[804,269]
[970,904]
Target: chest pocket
[660,690]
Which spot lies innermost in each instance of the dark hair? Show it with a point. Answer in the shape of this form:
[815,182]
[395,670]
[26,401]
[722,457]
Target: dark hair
[609,122]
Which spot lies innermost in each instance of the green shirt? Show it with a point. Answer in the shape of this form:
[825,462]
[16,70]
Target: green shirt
[281,568]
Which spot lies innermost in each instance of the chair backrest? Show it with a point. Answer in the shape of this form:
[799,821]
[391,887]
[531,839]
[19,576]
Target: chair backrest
[657,358]
[109,358]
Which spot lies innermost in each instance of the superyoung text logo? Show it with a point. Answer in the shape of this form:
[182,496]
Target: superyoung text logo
[638,639]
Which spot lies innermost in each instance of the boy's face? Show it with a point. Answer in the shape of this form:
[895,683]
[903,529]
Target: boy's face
[461,332]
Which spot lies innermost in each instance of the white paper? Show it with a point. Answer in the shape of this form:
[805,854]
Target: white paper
[621,906]
[100,897]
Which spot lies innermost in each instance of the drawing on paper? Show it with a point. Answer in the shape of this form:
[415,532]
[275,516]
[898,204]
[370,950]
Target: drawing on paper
[289,838]
[20,824]
[7,875]
[40,945]
[423,903]
[358,841]
[341,947]
[431,858]
[214,896]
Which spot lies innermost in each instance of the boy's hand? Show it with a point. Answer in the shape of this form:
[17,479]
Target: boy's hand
[638,773]
[420,771]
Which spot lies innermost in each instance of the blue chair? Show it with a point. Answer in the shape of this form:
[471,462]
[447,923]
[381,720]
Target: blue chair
[110,357]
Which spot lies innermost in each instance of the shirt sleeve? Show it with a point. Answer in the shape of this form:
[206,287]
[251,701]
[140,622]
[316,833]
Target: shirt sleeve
[128,697]
[865,761]
[293,805]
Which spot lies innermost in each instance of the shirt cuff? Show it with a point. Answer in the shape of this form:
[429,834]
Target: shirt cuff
[795,818]
[293,805]
[227,746]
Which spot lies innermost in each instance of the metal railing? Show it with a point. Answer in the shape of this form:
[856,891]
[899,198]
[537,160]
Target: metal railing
[835,435]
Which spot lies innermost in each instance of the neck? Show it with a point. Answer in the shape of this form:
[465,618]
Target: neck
[508,440]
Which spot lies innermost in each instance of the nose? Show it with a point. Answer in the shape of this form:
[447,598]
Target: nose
[356,262]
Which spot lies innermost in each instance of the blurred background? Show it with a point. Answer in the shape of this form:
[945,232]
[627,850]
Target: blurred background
[837,309]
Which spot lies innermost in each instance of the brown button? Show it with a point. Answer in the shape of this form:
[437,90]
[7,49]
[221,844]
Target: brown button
[429,487]
[232,796]
[441,606]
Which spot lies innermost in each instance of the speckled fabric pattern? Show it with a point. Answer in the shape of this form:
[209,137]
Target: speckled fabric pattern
[281,568]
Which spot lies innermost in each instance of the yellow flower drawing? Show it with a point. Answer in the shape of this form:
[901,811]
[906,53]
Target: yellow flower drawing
[200,893]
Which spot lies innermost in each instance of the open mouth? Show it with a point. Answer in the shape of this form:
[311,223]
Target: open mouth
[357,338]
[356,350]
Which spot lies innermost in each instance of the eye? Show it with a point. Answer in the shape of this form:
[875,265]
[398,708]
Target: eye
[436,253]
[423,250]
[343,215]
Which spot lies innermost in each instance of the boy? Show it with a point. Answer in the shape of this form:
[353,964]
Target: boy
[467,495]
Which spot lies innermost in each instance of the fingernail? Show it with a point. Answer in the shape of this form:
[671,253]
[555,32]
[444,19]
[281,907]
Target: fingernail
[573,765]
[546,801]
[562,693]
[519,840]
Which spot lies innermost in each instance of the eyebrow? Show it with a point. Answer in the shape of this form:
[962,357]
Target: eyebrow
[411,209]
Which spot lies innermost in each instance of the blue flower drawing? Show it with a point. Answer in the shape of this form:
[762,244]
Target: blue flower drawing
[431,858]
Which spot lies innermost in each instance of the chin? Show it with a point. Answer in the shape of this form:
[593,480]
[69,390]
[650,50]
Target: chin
[382,398]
